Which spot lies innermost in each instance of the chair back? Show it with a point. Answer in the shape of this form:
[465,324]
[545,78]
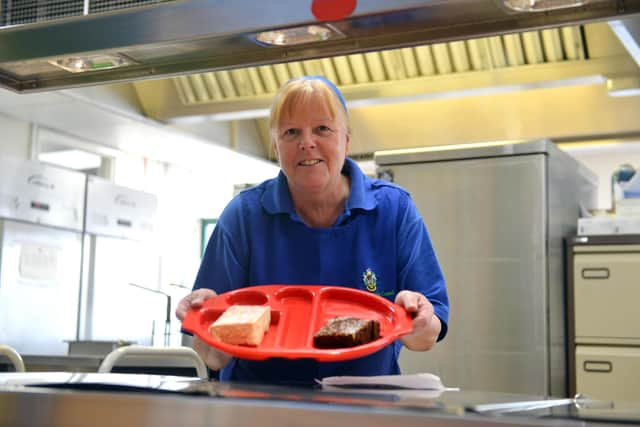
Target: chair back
[163,355]
[13,356]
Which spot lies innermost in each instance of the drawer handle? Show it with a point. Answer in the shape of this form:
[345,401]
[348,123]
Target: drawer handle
[597,366]
[595,273]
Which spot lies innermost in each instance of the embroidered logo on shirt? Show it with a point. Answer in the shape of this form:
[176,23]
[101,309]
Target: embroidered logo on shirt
[370,280]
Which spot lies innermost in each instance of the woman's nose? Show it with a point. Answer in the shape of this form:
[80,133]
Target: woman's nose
[307,140]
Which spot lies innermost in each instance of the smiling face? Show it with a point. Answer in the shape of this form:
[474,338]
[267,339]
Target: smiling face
[311,140]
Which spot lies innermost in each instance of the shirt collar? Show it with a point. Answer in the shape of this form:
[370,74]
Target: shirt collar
[276,198]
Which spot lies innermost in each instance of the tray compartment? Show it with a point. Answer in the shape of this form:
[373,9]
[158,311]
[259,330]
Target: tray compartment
[334,302]
[247,297]
[296,304]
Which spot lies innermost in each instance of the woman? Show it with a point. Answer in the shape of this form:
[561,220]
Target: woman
[322,221]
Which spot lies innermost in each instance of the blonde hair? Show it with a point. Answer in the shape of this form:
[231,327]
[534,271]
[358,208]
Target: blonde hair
[298,92]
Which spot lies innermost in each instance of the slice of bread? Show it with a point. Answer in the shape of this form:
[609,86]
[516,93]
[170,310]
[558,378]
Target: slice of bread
[242,325]
[345,331]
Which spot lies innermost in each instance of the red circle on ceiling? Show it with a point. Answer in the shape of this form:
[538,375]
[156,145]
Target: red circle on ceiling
[332,10]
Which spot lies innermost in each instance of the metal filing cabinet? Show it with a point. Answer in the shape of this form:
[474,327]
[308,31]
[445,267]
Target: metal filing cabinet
[604,316]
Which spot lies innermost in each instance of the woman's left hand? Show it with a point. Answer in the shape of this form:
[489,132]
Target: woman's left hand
[426,325]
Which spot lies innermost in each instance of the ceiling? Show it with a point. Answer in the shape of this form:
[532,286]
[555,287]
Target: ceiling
[487,80]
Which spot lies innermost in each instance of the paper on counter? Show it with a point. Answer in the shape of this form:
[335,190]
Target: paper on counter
[423,381]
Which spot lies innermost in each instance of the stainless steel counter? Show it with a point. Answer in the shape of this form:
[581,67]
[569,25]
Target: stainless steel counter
[162,401]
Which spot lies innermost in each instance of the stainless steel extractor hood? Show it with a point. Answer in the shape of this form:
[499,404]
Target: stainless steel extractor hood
[90,44]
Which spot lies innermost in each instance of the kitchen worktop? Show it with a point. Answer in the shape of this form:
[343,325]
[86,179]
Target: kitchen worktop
[67,398]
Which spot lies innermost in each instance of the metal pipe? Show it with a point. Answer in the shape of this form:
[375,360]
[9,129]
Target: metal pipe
[167,321]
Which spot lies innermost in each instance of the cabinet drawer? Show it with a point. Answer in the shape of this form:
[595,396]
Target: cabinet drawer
[608,373]
[607,296]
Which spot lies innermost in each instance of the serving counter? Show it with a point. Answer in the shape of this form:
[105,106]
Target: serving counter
[63,399]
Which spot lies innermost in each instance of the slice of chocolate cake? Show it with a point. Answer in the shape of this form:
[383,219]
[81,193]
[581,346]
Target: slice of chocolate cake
[344,331]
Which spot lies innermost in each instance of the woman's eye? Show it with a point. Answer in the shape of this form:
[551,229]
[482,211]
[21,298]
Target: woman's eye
[291,133]
[322,129]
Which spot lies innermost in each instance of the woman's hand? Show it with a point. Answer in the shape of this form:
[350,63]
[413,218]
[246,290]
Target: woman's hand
[194,300]
[426,325]
[214,359]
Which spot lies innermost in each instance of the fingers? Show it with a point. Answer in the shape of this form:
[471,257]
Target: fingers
[408,300]
[194,300]
[414,302]
[419,306]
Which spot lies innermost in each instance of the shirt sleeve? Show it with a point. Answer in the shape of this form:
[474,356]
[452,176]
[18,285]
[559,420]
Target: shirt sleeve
[223,265]
[418,266]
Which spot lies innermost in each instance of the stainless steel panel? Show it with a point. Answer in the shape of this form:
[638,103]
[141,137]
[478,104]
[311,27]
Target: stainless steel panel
[570,187]
[498,216]
[487,219]
[35,192]
[207,35]
[466,151]
[236,407]
[39,281]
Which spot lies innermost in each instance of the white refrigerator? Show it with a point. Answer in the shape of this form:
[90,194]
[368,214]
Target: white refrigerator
[120,257]
[41,214]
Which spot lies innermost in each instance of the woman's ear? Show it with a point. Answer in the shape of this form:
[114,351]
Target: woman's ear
[274,148]
[347,143]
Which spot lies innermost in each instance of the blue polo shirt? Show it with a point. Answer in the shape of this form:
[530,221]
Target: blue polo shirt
[379,244]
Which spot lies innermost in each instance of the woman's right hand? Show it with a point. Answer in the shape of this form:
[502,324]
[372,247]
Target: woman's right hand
[214,359]
[194,300]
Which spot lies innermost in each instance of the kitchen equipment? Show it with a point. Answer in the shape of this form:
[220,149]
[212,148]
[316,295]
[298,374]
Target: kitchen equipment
[497,215]
[62,398]
[297,313]
[41,211]
[74,43]
[120,250]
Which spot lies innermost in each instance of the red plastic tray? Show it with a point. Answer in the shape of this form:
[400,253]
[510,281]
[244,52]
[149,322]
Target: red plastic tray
[297,313]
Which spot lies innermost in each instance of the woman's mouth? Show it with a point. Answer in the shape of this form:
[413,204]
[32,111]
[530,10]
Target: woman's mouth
[309,162]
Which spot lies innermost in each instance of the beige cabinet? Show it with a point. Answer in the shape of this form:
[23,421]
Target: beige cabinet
[604,317]
[607,297]
[608,372]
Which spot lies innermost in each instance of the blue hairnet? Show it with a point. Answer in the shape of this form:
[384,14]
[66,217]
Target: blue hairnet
[331,85]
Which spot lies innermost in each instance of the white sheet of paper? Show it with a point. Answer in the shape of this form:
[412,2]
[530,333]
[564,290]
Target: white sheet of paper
[423,381]
[38,261]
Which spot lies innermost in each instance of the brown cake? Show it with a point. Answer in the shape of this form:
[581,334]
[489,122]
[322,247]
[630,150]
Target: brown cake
[340,332]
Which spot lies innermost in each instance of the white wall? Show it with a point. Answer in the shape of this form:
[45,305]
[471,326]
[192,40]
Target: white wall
[15,137]
[603,160]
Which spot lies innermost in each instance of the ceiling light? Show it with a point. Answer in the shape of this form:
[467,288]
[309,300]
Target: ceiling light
[72,159]
[542,5]
[81,64]
[624,86]
[298,35]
